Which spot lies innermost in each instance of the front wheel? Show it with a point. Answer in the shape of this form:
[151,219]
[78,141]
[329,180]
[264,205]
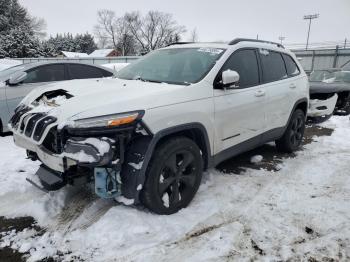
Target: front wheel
[173,176]
[293,136]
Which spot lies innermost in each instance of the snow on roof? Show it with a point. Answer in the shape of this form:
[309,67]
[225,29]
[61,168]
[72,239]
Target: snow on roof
[101,52]
[7,63]
[74,54]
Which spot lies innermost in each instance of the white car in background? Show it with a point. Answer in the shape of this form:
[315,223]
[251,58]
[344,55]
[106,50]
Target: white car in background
[147,135]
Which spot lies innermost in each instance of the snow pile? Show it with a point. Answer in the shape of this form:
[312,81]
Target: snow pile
[102,146]
[256,159]
[299,213]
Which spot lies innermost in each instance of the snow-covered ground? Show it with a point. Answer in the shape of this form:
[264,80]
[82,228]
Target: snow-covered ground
[301,212]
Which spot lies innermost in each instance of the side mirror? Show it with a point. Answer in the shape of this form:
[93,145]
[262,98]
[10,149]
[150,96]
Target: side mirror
[17,78]
[229,78]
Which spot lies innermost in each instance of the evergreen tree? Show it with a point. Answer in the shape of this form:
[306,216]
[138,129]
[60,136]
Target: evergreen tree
[12,15]
[18,42]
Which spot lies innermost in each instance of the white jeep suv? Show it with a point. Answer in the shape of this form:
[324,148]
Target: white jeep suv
[147,135]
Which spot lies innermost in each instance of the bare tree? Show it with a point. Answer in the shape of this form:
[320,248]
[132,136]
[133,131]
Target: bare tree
[105,30]
[126,42]
[194,35]
[112,31]
[38,25]
[154,30]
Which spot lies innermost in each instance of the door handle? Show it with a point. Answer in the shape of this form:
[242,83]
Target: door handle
[259,93]
[292,86]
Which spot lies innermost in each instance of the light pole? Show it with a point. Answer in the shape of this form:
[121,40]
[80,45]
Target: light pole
[281,38]
[309,17]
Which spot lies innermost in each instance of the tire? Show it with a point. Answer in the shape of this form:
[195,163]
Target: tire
[319,119]
[293,136]
[345,110]
[173,176]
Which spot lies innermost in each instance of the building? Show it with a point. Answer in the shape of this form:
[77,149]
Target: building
[105,53]
[73,54]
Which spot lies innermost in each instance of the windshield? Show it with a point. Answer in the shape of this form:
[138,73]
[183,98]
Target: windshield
[174,66]
[320,75]
[330,77]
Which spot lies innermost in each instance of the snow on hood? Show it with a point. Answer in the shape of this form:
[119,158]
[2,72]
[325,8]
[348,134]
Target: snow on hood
[97,97]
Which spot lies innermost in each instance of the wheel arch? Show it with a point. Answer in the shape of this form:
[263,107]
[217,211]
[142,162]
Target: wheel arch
[301,104]
[194,131]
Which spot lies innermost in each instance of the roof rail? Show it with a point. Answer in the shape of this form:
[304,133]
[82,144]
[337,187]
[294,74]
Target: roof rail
[180,43]
[237,40]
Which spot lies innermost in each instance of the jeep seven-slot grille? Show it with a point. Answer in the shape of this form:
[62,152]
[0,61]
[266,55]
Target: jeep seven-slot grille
[17,116]
[32,124]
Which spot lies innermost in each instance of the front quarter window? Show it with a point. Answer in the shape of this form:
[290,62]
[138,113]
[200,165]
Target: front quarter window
[174,65]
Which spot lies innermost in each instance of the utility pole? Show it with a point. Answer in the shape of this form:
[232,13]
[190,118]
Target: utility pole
[281,38]
[345,43]
[309,17]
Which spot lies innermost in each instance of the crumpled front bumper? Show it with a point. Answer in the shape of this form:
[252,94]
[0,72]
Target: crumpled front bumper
[322,107]
[53,161]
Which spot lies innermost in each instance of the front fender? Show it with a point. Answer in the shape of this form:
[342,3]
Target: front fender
[140,152]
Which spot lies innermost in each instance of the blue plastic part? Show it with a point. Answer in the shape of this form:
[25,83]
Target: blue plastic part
[106,183]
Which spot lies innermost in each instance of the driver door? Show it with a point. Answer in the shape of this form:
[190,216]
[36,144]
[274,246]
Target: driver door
[240,111]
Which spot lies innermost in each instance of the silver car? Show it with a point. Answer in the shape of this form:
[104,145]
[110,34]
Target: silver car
[16,82]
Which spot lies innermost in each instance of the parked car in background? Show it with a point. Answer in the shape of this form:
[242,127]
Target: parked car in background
[329,94]
[16,82]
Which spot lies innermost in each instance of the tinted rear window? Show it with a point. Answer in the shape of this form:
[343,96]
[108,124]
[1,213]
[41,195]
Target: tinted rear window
[84,72]
[273,66]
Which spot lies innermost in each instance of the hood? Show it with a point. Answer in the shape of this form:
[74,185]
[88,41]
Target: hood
[76,99]
[334,87]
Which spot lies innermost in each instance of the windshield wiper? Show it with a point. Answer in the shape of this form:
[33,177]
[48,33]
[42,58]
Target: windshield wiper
[147,80]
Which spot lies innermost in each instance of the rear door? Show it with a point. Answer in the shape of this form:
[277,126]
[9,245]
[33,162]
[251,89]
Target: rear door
[38,76]
[239,112]
[280,88]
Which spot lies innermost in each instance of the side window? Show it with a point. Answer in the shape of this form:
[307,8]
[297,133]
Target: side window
[84,72]
[292,68]
[245,63]
[46,73]
[273,66]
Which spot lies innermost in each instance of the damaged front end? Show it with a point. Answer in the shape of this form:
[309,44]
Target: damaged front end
[322,105]
[77,151]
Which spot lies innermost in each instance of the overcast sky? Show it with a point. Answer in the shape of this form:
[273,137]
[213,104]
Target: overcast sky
[215,19]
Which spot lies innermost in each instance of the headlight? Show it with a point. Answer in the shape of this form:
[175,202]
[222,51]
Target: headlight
[109,120]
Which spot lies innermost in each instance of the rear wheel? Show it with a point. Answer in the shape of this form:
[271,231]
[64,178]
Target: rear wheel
[173,176]
[343,105]
[293,136]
